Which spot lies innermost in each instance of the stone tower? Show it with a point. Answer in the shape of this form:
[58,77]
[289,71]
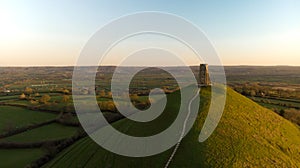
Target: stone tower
[203,75]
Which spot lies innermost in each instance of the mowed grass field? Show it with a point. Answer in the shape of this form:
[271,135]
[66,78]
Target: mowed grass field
[16,117]
[18,158]
[45,133]
[7,98]
[277,103]
[12,118]
[248,135]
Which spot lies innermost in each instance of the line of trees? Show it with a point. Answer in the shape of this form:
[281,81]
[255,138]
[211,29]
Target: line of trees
[255,89]
[291,114]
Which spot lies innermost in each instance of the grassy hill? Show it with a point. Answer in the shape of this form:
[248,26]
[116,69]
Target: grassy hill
[248,135]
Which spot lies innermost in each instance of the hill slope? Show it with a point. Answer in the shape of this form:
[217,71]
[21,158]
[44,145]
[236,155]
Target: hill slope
[248,135]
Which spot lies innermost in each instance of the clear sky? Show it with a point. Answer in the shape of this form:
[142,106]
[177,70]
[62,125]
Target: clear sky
[245,32]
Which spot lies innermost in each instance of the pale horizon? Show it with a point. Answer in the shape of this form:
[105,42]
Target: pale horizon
[32,66]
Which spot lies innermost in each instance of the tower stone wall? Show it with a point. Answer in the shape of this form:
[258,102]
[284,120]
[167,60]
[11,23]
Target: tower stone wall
[204,75]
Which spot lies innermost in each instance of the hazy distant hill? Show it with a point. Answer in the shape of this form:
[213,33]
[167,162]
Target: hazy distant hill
[248,135]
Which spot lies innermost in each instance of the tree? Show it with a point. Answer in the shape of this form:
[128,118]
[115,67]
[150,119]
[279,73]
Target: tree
[281,112]
[252,93]
[134,97]
[33,102]
[102,93]
[65,98]
[107,106]
[22,96]
[292,115]
[28,91]
[111,106]
[109,95]
[102,105]
[45,98]
[66,91]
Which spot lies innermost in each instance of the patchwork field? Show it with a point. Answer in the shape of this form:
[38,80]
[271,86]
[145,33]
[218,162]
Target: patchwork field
[29,135]
[16,117]
[45,133]
[18,157]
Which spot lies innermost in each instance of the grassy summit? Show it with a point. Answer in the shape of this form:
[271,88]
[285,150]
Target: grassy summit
[248,135]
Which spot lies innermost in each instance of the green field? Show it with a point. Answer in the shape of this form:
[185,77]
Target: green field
[272,106]
[278,102]
[16,117]
[18,158]
[20,102]
[7,98]
[45,133]
[248,135]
